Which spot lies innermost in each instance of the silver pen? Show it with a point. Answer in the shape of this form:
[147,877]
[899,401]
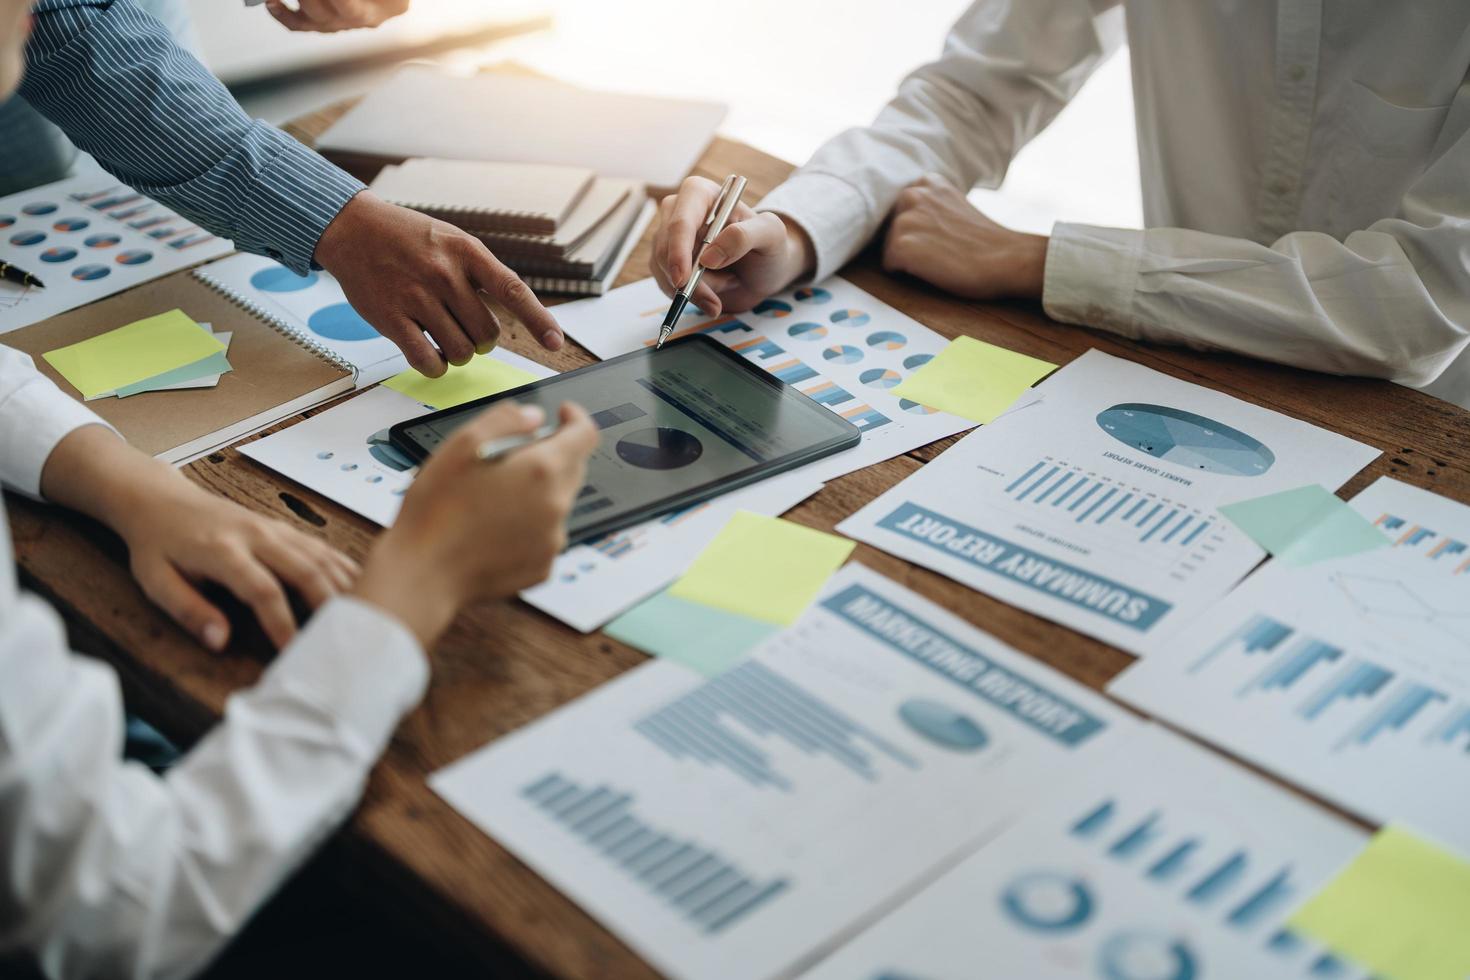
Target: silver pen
[494,449]
[719,215]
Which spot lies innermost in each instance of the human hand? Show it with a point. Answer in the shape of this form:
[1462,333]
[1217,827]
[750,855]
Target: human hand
[470,529]
[179,535]
[756,254]
[328,16]
[938,236]
[409,274]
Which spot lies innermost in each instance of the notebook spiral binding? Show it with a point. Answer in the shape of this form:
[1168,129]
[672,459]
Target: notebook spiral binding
[276,323]
[513,222]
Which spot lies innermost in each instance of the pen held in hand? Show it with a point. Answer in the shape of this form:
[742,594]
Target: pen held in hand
[719,215]
[492,450]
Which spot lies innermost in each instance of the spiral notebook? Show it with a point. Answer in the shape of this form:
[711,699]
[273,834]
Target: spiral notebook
[499,197]
[276,372]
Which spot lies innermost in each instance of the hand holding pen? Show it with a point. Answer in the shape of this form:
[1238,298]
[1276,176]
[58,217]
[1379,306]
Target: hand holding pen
[758,254]
[714,223]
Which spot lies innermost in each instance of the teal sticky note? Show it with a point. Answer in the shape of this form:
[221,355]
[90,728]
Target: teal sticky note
[700,637]
[1304,525]
[214,364]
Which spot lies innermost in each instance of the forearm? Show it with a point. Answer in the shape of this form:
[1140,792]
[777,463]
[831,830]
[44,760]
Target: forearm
[93,471]
[122,874]
[120,87]
[1000,80]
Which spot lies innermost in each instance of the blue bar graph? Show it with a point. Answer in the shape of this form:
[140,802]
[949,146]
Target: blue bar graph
[1025,476]
[697,884]
[1099,501]
[1107,495]
[1295,664]
[1039,481]
[1455,724]
[761,701]
[1219,881]
[1173,864]
[1358,680]
[793,372]
[1392,715]
[1093,823]
[1137,839]
[1263,901]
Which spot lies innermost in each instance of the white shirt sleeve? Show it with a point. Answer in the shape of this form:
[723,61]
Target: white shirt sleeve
[109,871]
[1391,300]
[34,416]
[1008,67]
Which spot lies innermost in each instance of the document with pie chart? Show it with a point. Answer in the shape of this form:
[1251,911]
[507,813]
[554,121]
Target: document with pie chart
[1349,677]
[741,825]
[1096,505]
[1163,862]
[313,308]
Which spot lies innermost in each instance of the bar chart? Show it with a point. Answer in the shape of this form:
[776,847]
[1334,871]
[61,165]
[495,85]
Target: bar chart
[725,722]
[706,890]
[1448,551]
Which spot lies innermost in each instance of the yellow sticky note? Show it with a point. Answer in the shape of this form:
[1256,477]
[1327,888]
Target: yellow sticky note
[483,375]
[1401,909]
[133,353]
[763,567]
[973,379]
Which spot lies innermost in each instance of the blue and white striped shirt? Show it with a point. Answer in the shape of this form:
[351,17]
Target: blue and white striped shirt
[113,79]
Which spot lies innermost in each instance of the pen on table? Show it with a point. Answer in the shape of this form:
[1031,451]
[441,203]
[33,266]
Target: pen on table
[495,449]
[15,273]
[719,214]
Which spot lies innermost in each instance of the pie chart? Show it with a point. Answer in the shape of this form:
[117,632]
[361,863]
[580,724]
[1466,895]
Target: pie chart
[134,256]
[58,254]
[659,448]
[807,331]
[71,224]
[1186,439]
[917,360]
[340,322]
[880,378]
[279,279]
[772,308]
[86,273]
[6,220]
[102,241]
[887,340]
[850,318]
[843,354]
[915,407]
[40,207]
[812,294]
[28,238]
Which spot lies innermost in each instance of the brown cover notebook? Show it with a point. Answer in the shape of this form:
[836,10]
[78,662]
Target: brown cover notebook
[273,376]
[502,197]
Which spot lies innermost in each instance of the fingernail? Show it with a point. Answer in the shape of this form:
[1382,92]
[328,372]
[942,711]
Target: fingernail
[533,414]
[552,340]
[214,636]
[713,257]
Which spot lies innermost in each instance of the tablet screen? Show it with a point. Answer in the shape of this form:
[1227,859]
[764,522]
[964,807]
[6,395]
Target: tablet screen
[678,425]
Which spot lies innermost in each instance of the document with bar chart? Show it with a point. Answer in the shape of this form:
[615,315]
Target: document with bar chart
[1096,506]
[1349,677]
[834,343]
[1164,861]
[738,826]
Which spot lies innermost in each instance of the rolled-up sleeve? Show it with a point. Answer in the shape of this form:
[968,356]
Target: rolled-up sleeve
[119,86]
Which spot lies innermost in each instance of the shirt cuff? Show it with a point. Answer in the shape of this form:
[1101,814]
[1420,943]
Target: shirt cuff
[358,666]
[1091,275]
[33,419]
[835,215]
[294,196]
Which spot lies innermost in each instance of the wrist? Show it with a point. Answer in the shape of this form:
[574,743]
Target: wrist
[337,238]
[801,253]
[409,590]
[1030,271]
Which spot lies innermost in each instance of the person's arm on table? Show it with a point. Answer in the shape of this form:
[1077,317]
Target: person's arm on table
[330,16]
[120,87]
[107,870]
[1007,69]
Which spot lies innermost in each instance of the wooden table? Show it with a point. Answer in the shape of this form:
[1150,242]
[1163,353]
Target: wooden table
[504,664]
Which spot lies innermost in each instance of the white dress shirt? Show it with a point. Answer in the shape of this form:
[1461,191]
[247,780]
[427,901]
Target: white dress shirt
[107,870]
[1306,173]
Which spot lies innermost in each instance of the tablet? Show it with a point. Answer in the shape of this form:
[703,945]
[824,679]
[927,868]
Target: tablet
[679,425]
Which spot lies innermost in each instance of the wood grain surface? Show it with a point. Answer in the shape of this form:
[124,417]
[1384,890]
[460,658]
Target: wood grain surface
[504,664]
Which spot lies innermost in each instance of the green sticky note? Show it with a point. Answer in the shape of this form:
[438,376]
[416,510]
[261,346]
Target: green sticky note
[1305,525]
[214,364]
[973,379]
[483,375]
[1401,909]
[700,637]
[132,353]
[763,567]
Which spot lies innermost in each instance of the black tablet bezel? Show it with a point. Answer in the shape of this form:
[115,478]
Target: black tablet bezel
[402,437]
